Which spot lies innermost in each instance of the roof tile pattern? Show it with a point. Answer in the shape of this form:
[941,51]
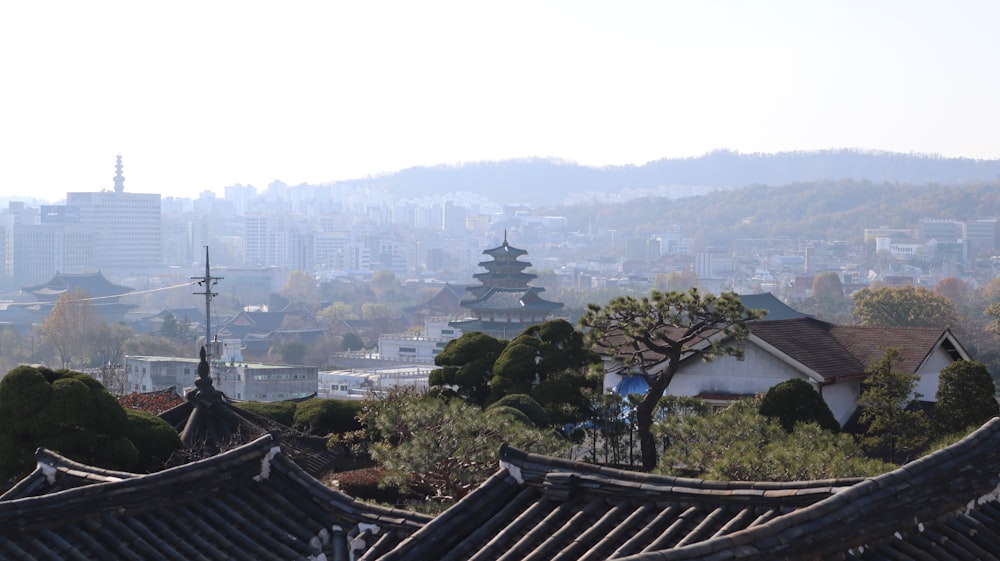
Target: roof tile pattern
[248,503]
[944,506]
[541,508]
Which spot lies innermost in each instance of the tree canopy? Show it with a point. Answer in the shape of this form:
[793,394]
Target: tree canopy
[69,325]
[73,414]
[795,401]
[738,443]
[892,429]
[444,446]
[466,365]
[902,306]
[651,335]
[966,397]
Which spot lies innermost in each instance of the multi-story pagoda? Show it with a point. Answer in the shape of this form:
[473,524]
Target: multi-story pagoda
[503,304]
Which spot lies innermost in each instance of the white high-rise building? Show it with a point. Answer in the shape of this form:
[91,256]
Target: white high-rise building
[125,226]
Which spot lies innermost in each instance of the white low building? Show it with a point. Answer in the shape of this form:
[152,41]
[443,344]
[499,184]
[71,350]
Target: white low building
[418,349]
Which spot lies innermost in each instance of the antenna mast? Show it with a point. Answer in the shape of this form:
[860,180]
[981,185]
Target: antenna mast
[208,281]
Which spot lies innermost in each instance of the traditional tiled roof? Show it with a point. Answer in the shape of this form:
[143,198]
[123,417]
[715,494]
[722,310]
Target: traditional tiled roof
[208,423]
[945,506]
[511,299]
[95,284]
[56,473]
[248,503]
[542,508]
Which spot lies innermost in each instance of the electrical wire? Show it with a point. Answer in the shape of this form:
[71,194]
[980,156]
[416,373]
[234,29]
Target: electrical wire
[94,298]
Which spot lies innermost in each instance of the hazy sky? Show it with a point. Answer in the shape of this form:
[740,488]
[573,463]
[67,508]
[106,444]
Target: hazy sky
[200,95]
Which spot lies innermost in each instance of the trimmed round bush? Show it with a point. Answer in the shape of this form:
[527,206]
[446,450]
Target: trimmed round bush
[795,401]
[154,438]
[510,413]
[116,452]
[279,411]
[24,391]
[326,416]
[525,404]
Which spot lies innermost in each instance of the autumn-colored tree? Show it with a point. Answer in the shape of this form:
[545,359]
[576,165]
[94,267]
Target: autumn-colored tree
[675,280]
[374,310]
[336,312]
[953,289]
[150,402]
[991,292]
[300,288]
[385,285]
[652,334]
[827,285]
[902,306]
[69,326]
[828,301]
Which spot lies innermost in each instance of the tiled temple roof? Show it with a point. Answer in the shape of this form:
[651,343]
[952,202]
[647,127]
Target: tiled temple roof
[247,503]
[516,299]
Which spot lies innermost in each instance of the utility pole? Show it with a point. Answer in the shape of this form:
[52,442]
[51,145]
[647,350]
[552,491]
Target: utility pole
[208,281]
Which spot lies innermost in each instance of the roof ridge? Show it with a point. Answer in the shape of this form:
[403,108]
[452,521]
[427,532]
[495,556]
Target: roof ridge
[917,491]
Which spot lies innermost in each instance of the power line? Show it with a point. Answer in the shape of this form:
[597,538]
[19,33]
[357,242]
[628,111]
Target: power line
[136,292]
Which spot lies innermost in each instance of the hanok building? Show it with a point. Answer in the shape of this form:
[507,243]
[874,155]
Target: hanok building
[503,305]
[103,294]
[253,503]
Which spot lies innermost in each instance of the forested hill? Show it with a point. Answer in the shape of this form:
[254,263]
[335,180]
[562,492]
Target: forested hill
[831,210]
[551,182]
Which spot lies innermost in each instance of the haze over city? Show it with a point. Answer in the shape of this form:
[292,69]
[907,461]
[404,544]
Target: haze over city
[200,96]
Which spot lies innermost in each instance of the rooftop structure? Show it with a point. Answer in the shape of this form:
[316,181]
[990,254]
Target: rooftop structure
[503,304]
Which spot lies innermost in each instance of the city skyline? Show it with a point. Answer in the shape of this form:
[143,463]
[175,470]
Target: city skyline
[197,97]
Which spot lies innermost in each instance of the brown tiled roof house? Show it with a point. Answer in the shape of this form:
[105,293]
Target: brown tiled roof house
[831,358]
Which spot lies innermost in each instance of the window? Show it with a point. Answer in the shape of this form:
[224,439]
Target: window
[407,349]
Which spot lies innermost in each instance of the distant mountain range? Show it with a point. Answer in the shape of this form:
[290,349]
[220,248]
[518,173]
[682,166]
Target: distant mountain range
[545,182]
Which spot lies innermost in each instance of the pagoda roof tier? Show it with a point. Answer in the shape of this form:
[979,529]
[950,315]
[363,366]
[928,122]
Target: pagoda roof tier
[523,278]
[505,251]
[511,299]
[501,265]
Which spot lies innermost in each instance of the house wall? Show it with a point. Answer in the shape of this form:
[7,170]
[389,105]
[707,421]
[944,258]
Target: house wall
[757,372]
[842,398]
[930,373]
